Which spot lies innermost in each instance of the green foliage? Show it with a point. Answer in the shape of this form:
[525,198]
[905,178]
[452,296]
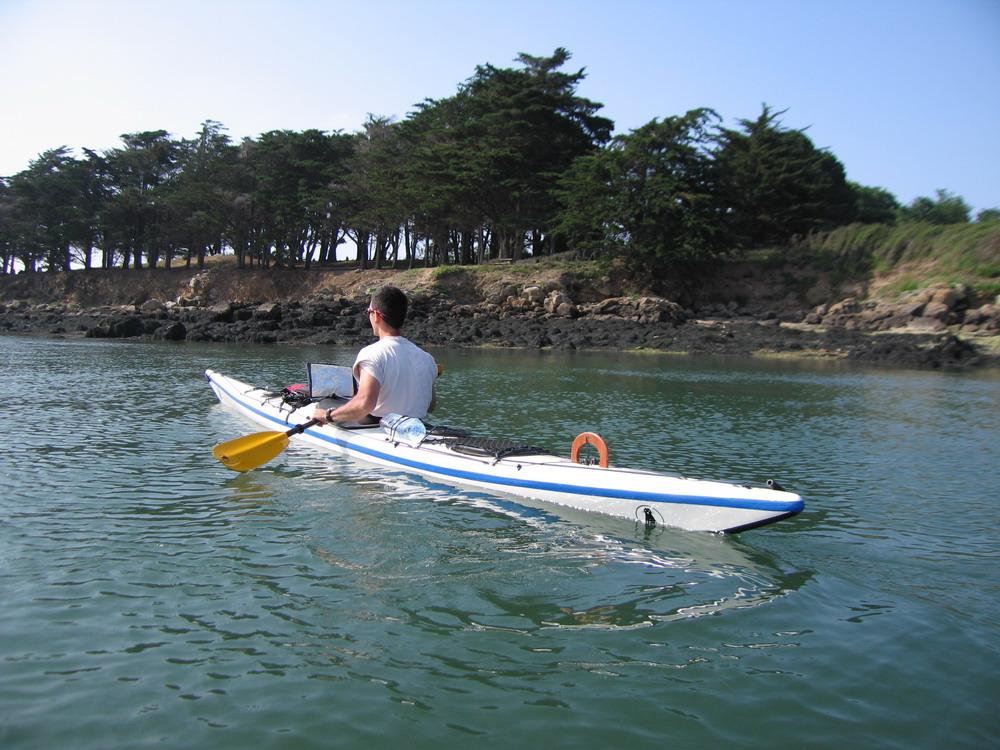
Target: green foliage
[50,208]
[490,156]
[136,175]
[873,205]
[651,195]
[514,164]
[195,208]
[944,208]
[587,218]
[443,271]
[969,253]
[778,185]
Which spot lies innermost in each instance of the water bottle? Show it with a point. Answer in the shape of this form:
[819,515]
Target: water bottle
[401,429]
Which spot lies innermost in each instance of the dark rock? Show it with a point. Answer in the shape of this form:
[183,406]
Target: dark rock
[268,311]
[171,332]
[221,312]
[944,352]
[130,327]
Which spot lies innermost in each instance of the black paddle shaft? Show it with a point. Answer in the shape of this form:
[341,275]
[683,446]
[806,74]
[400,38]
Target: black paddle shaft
[302,427]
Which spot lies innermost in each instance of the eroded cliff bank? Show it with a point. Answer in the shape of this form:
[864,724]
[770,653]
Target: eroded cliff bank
[742,312]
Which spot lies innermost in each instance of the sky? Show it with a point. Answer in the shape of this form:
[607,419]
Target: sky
[906,93]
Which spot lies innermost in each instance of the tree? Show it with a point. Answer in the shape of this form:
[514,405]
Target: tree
[43,215]
[653,194]
[488,159]
[588,217]
[778,184]
[138,174]
[873,205]
[7,241]
[195,207]
[944,208]
[376,195]
[297,192]
[988,214]
[91,189]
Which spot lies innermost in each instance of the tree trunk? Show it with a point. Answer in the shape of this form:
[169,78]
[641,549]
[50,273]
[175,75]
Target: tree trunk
[336,238]
[407,244]
[324,248]
[379,250]
[394,246]
[310,248]
[467,248]
[484,239]
[363,239]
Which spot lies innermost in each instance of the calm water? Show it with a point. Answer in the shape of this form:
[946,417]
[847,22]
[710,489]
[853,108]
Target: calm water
[151,598]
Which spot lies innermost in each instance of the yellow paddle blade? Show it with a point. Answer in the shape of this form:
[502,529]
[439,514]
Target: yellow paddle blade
[250,451]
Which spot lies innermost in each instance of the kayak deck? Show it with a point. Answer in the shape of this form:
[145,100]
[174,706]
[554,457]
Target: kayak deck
[692,504]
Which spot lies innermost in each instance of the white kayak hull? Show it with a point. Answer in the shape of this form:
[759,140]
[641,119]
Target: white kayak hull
[692,504]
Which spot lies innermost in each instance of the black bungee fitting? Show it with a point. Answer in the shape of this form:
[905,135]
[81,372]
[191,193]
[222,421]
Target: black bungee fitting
[649,520]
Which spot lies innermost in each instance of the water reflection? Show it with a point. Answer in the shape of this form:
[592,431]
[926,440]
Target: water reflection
[141,575]
[477,537]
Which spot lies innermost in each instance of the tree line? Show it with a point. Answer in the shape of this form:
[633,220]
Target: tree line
[515,164]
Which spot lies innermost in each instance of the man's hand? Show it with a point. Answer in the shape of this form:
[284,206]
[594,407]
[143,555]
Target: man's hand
[357,408]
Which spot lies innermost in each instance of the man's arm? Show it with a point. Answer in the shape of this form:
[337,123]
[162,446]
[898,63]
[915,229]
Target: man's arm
[359,407]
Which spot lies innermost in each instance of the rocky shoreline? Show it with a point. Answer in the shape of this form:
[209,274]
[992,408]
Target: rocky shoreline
[933,329]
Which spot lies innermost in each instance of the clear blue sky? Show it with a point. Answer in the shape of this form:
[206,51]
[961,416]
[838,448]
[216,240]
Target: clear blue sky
[906,93]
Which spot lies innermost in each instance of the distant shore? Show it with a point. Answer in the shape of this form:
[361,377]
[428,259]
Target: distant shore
[554,312]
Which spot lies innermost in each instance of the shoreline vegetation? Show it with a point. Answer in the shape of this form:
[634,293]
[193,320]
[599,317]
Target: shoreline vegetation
[515,217]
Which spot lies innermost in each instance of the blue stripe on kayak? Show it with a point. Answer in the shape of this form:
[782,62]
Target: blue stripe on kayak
[790,507]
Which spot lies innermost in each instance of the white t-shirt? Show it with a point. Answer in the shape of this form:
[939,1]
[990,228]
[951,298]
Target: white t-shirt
[405,373]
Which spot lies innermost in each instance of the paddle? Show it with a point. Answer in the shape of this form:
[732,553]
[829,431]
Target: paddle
[250,451]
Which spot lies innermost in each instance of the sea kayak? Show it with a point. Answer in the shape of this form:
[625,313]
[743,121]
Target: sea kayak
[503,467]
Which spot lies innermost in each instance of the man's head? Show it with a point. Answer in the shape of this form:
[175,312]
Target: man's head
[390,303]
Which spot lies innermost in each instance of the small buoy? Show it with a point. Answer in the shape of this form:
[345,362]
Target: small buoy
[590,438]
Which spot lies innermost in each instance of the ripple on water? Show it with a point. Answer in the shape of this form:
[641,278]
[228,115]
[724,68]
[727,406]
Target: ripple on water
[149,593]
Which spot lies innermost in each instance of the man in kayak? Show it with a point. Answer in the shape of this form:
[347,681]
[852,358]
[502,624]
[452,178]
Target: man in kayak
[394,375]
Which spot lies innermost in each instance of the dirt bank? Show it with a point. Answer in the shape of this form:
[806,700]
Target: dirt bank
[745,311]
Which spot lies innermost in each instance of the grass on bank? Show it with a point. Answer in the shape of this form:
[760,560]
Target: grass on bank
[915,255]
